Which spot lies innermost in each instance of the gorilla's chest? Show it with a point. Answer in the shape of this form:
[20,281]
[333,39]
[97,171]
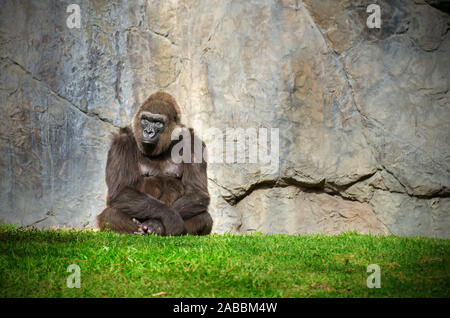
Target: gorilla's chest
[162,180]
[165,168]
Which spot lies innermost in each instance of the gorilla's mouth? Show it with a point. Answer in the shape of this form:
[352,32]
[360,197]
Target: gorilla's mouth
[151,141]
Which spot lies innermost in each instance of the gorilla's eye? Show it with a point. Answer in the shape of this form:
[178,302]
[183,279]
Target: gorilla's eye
[144,121]
[159,124]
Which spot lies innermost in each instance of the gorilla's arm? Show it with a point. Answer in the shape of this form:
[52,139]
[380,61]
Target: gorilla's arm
[122,176]
[196,197]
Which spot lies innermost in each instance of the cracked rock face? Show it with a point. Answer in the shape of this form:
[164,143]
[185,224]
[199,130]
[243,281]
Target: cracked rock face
[363,114]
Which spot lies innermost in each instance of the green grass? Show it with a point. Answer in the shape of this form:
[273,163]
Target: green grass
[34,264]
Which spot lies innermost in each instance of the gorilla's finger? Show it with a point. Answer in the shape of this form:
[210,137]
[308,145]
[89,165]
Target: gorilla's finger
[136,221]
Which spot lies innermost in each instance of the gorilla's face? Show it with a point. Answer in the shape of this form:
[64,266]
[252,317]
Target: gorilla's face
[154,122]
[152,126]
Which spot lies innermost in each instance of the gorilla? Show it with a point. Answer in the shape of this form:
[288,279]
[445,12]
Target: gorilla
[148,192]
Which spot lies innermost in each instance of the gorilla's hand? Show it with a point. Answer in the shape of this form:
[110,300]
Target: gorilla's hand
[151,226]
[140,230]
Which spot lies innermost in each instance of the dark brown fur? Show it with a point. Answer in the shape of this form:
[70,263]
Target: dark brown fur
[148,186]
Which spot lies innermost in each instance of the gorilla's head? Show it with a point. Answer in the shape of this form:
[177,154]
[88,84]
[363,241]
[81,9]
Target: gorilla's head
[154,122]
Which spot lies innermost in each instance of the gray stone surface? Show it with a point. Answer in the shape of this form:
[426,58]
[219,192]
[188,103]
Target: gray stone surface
[52,167]
[363,114]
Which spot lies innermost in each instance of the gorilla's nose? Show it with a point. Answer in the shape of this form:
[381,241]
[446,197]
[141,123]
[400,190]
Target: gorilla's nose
[150,132]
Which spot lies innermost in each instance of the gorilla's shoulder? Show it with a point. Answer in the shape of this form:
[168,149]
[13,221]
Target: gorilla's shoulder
[195,137]
[124,136]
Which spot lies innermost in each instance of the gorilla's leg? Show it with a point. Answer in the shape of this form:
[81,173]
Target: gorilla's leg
[116,221]
[201,224]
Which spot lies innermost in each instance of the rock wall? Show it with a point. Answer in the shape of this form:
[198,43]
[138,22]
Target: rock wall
[363,114]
